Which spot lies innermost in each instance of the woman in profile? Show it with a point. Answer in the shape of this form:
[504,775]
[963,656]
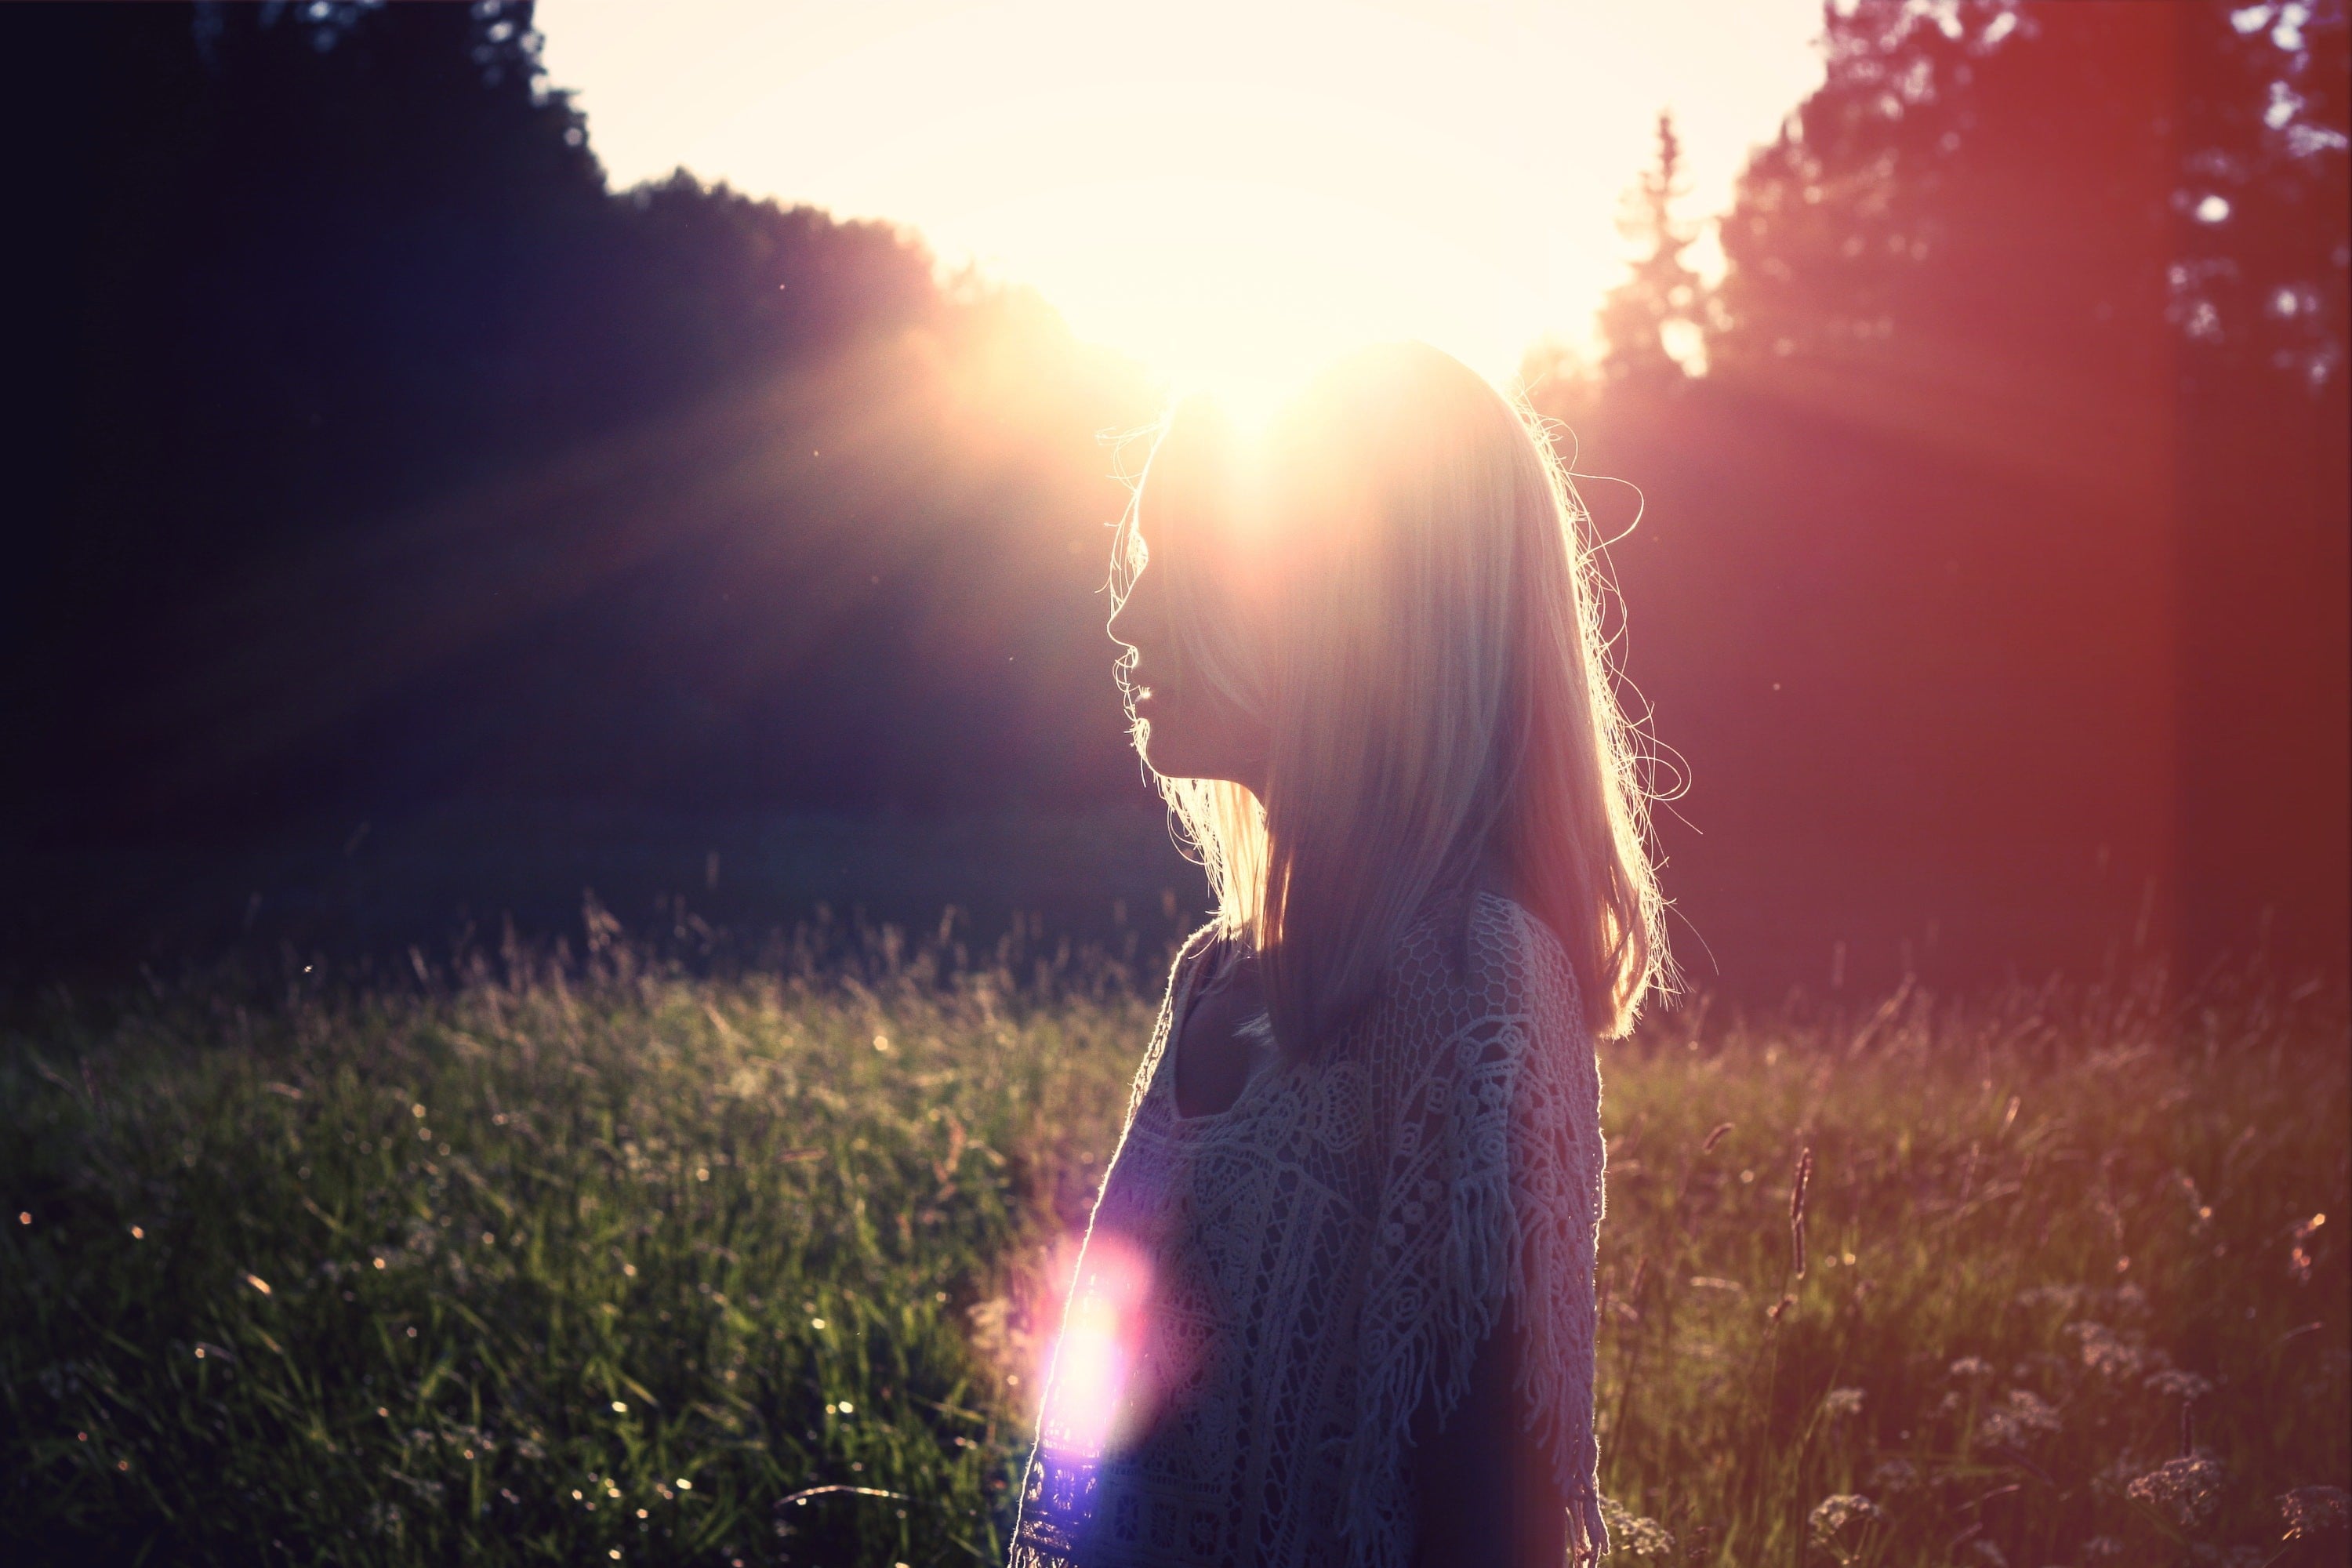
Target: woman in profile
[1336,1301]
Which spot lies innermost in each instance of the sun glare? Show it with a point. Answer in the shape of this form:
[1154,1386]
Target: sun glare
[1251,285]
[1232,192]
[1089,1410]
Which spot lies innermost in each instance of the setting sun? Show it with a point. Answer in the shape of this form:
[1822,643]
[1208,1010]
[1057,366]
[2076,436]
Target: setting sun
[1230,192]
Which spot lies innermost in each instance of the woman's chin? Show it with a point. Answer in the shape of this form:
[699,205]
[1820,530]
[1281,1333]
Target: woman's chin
[1175,751]
[1167,762]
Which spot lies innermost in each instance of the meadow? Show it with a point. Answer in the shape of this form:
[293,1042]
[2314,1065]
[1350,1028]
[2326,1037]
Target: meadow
[596,1252]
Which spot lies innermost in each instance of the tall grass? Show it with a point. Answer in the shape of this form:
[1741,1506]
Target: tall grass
[543,1259]
[2053,1242]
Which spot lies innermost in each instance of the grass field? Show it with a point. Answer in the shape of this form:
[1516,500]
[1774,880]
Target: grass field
[584,1258]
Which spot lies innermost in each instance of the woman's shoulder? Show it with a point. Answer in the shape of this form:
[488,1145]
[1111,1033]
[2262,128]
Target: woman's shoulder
[1480,954]
[1203,939]
[1192,953]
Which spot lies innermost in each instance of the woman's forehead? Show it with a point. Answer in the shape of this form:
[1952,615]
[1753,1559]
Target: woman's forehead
[1184,497]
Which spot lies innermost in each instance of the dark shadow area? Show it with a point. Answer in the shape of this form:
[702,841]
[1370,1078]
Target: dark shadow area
[1992,584]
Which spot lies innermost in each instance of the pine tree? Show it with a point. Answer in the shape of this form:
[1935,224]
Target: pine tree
[1651,322]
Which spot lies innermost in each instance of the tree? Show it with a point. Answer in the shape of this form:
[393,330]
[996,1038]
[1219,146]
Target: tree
[2102,249]
[1651,321]
[376,453]
[2019,477]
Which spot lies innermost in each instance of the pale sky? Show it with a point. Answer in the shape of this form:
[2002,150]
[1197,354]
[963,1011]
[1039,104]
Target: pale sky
[1232,190]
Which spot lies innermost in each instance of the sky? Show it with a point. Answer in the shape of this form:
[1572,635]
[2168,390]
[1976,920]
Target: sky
[1232,192]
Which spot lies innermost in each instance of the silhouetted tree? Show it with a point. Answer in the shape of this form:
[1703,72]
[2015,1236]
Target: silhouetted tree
[2103,245]
[1651,322]
[1996,566]
[384,455]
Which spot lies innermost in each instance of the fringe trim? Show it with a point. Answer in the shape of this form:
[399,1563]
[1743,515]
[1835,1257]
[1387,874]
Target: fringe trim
[1588,1536]
[1522,1219]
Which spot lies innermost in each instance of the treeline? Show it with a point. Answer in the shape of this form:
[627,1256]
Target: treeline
[1992,581]
[375,453]
[1992,584]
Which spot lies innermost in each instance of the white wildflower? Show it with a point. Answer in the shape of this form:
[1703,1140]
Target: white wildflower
[1835,1515]
[2176,1385]
[2185,1490]
[2313,1511]
[1632,1535]
[2018,1419]
[1895,1476]
[2104,1352]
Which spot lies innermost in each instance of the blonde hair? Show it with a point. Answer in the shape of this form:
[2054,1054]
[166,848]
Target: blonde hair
[1413,613]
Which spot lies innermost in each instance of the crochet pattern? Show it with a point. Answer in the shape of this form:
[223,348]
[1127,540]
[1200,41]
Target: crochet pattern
[1267,1294]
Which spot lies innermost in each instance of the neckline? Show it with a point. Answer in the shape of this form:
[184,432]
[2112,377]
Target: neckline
[1180,1009]
[1187,978]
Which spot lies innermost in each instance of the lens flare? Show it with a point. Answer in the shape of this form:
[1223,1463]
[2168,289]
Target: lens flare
[1091,1403]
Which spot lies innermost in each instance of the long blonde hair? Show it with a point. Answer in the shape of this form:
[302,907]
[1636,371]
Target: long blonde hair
[1414,617]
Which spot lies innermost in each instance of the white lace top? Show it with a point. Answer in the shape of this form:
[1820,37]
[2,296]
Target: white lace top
[1268,1293]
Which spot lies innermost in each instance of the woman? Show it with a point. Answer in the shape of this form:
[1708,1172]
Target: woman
[1336,1302]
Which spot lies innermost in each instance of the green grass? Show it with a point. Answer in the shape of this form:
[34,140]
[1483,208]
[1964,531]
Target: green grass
[2037,1228]
[598,1260]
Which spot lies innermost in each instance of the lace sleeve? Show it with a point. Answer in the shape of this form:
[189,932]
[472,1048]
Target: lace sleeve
[1490,1194]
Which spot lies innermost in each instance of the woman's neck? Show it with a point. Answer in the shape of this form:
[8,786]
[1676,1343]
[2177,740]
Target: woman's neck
[1497,875]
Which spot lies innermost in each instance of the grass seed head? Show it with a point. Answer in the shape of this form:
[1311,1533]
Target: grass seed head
[1797,1188]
